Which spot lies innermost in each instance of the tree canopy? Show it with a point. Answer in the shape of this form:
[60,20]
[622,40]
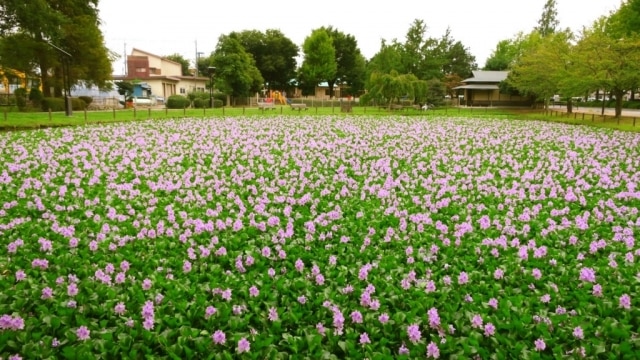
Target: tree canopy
[184,63]
[29,28]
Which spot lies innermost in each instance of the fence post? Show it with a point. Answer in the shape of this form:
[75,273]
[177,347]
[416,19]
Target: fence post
[204,111]
[5,114]
[634,121]
[149,117]
[134,113]
[114,113]
[166,111]
[593,116]
[50,120]
[85,116]
[223,111]
[243,108]
[184,110]
[582,116]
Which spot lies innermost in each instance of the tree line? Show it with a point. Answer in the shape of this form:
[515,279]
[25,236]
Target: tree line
[420,68]
[603,57]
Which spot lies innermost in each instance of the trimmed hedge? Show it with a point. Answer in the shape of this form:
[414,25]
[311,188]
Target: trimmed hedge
[177,102]
[87,99]
[57,104]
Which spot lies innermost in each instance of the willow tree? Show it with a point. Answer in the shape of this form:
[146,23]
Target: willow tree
[391,87]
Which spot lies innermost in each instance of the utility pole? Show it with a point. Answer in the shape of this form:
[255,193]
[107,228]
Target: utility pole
[66,60]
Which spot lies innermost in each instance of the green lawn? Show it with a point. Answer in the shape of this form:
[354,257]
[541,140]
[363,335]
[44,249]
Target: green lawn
[13,120]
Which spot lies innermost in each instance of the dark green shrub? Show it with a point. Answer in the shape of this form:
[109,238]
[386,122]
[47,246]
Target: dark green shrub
[35,95]
[53,104]
[21,98]
[177,102]
[78,104]
[87,99]
[200,103]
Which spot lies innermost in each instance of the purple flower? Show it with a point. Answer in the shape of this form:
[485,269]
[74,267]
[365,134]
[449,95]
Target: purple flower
[219,337]
[434,318]
[540,345]
[83,333]
[493,302]
[47,293]
[403,350]
[72,289]
[209,312]
[433,351]
[356,317]
[20,275]
[364,338]
[463,278]
[253,291]
[578,333]
[243,346]
[146,284]
[625,301]
[588,275]
[273,314]
[119,308]
[489,329]
[413,331]
[383,318]
[476,322]
[302,299]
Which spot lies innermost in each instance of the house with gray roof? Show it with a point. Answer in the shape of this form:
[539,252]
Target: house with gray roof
[483,89]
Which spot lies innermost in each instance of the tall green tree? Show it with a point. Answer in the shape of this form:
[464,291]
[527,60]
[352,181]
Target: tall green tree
[236,71]
[625,22]
[608,63]
[27,28]
[387,59]
[548,22]
[547,68]
[350,63]
[508,51]
[184,63]
[275,56]
[422,54]
[457,59]
[319,62]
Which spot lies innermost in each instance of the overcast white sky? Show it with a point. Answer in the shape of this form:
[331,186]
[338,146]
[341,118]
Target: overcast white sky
[165,27]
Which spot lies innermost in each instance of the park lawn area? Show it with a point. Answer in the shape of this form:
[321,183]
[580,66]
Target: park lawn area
[351,236]
[13,120]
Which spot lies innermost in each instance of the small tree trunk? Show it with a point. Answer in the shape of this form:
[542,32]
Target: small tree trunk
[569,106]
[618,94]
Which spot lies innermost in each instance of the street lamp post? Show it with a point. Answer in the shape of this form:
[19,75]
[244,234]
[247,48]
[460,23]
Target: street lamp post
[66,59]
[212,71]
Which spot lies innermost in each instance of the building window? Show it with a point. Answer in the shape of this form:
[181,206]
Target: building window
[326,92]
[141,70]
[183,91]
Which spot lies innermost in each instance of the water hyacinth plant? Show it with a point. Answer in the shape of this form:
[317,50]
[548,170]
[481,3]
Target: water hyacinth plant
[320,237]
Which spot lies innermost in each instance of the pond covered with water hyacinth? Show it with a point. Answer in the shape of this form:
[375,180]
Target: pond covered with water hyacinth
[320,237]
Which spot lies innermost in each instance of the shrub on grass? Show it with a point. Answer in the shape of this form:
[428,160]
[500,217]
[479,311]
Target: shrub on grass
[87,99]
[177,102]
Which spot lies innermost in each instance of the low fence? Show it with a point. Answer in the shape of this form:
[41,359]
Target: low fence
[585,116]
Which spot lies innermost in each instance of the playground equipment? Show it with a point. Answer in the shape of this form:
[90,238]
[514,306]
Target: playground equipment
[273,97]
